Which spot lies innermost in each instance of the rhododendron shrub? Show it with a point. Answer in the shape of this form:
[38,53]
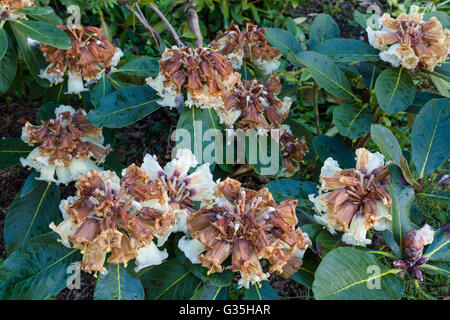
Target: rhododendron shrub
[194,209]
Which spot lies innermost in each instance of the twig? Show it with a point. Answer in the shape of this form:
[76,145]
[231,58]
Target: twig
[316,108]
[141,18]
[362,141]
[168,25]
[192,18]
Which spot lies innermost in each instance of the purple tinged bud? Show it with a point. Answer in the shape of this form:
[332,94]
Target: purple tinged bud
[421,261]
[415,272]
[400,264]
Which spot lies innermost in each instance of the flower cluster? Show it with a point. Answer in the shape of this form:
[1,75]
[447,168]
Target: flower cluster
[250,46]
[123,216]
[90,56]
[7,8]
[203,73]
[410,42]
[292,150]
[66,146]
[354,200]
[249,226]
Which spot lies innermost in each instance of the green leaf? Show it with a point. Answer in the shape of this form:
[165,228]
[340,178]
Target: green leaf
[386,142]
[323,28]
[124,107]
[439,249]
[119,283]
[326,147]
[440,15]
[31,54]
[11,150]
[420,100]
[265,292]
[29,215]
[44,33]
[443,197]
[443,269]
[169,281]
[3,43]
[352,121]
[390,241]
[8,63]
[100,90]
[351,274]
[305,275]
[191,128]
[44,14]
[347,50]
[283,41]
[328,241]
[394,90]
[141,67]
[114,162]
[402,198]
[360,18]
[284,189]
[47,111]
[326,73]
[38,270]
[429,140]
[210,292]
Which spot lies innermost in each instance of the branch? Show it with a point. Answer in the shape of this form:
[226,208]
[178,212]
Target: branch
[192,18]
[168,25]
[144,22]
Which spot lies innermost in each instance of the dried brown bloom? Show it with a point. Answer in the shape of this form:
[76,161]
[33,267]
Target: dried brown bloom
[204,74]
[249,226]
[66,145]
[250,45]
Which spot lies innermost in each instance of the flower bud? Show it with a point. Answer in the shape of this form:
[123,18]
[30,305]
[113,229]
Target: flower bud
[416,273]
[412,246]
[400,264]
[421,261]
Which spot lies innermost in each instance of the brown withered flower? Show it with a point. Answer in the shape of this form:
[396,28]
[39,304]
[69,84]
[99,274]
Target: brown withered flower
[292,150]
[249,226]
[8,7]
[203,74]
[354,200]
[68,146]
[90,56]
[413,43]
[116,216]
[250,45]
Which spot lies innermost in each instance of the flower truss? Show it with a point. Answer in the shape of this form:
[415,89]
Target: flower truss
[249,226]
[354,200]
[7,8]
[122,216]
[67,145]
[253,105]
[410,42]
[89,58]
[201,73]
[250,46]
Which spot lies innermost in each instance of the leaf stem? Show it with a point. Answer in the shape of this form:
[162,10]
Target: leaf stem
[316,108]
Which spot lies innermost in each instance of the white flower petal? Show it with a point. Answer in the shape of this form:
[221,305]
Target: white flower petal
[191,248]
[149,256]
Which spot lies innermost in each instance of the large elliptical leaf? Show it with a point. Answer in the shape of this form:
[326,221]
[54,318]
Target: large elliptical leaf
[326,73]
[210,292]
[386,141]
[430,143]
[124,107]
[119,283]
[283,40]
[323,28]
[44,33]
[8,62]
[347,50]
[38,270]
[100,90]
[352,121]
[402,198]
[394,89]
[351,274]
[141,67]
[11,150]
[44,14]
[169,281]
[30,215]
